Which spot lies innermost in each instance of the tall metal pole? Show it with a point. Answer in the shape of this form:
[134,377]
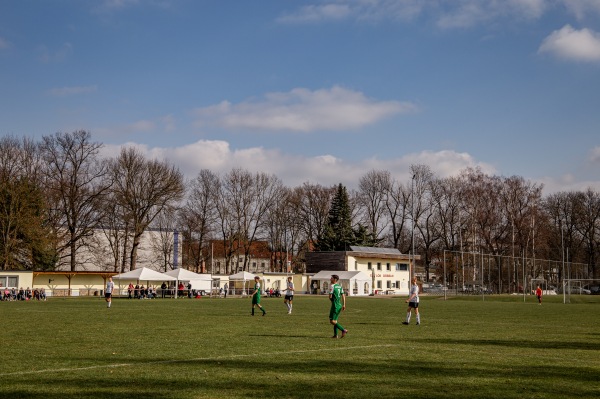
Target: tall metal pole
[562,245]
[412,239]
[523,275]
[444,287]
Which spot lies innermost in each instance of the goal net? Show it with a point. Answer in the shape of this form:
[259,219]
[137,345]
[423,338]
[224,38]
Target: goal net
[576,286]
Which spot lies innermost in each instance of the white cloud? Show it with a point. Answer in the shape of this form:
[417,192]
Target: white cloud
[447,13]
[468,13]
[47,55]
[572,44]
[140,126]
[566,183]
[294,170]
[169,123]
[317,13]
[594,155]
[582,8]
[4,44]
[72,90]
[302,110]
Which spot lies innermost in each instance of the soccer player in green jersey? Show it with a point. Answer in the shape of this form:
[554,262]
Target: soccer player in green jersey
[256,296]
[338,303]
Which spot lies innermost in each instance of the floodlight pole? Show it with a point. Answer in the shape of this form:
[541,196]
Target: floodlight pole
[412,239]
[562,244]
[444,288]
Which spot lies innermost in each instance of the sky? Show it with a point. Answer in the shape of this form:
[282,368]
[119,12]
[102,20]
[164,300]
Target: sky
[318,91]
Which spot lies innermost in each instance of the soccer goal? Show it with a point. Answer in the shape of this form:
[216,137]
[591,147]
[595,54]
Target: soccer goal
[578,286]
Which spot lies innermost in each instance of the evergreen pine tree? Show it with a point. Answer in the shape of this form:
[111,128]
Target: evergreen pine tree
[337,234]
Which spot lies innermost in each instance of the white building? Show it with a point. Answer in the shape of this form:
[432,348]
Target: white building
[388,268]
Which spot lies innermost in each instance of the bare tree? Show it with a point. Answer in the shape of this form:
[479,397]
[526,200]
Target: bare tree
[249,197]
[198,217]
[373,189]
[588,226]
[426,221]
[75,181]
[397,211]
[310,204]
[144,188]
[162,239]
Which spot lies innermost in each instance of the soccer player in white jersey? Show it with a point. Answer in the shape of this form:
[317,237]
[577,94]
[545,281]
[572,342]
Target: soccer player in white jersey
[289,295]
[413,302]
[110,286]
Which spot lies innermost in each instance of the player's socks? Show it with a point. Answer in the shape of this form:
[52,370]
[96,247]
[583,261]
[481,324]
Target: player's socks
[408,317]
[339,326]
[418,319]
[290,308]
[252,311]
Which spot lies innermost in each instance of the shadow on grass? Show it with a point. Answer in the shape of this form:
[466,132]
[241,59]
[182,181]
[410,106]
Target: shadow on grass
[249,378]
[513,343]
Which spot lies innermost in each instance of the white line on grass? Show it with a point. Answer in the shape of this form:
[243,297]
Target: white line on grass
[198,359]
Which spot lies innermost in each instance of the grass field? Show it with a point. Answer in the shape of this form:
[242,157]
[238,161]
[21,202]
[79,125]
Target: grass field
[213,348]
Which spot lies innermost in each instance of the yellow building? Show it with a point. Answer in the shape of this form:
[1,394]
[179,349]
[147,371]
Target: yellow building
[388,268]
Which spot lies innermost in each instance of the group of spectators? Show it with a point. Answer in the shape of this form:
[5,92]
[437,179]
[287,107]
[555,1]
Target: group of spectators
[140,292]
[12,294]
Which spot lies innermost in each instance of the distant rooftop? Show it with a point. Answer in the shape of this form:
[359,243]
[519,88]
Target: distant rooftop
[388,251]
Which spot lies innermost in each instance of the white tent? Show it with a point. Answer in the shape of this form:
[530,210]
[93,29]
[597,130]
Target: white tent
[142,274]
[243,276]
[200,282]
[354,282]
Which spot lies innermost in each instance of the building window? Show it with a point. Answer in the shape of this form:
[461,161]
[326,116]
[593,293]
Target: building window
[378,265]
[401,267]
[262,265]
[388,284]
[254,265]
[9,281]
[388,266]
[369,266]
[379,284]
[398,284]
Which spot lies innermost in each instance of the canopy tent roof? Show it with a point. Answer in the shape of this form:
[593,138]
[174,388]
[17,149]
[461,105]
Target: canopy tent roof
[344,275]
[187,275]
[355,282]
[144,274]
[245,276]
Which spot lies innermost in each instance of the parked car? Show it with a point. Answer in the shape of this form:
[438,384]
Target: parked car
[594,289]
[576,290]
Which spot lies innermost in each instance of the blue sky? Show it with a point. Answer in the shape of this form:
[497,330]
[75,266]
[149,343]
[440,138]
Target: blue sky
[319,91]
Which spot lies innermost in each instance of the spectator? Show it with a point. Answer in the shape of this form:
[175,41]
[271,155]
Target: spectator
[130,289]
[163,288]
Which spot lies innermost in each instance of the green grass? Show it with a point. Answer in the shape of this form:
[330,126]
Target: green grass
[213,348]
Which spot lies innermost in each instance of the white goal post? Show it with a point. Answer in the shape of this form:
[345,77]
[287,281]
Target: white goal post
[579,286]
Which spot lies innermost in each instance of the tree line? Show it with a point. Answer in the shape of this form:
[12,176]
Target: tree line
[58,192]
